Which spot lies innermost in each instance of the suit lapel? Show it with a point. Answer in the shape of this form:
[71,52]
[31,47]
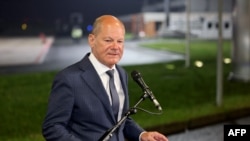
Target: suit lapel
[124,80]
[92,79]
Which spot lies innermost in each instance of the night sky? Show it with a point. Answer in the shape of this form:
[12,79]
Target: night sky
[42,15]
[12,10]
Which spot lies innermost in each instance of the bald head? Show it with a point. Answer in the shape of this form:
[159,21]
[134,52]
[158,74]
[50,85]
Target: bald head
[106,20]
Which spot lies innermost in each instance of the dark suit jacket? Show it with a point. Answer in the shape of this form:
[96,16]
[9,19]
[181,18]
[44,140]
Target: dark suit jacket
[79,108]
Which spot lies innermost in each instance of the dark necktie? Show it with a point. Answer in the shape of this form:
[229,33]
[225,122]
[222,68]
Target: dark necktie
[113,92]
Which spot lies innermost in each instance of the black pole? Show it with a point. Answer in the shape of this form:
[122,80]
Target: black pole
[107,135]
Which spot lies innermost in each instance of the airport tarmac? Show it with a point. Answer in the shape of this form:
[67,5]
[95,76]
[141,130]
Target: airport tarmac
[213,132]
[23,50]
[32,54]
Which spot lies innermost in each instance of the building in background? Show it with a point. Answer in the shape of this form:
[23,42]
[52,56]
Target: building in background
[168,18]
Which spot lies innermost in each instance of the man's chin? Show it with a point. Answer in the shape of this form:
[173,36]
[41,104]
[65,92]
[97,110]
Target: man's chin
[114,61]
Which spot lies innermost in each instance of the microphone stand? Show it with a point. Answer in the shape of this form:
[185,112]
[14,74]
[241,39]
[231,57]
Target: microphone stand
[108,134]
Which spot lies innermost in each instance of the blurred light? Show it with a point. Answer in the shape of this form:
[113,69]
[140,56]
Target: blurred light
[170,66]
[227,60]
[76,32]
[24,26]
[142,34]
[89,28]
[198,64]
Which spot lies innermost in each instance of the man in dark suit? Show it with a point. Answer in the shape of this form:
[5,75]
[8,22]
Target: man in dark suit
[81,99]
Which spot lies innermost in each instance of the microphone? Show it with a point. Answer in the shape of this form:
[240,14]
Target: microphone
[138,79]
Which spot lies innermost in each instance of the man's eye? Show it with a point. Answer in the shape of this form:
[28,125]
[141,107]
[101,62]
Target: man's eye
[108,40]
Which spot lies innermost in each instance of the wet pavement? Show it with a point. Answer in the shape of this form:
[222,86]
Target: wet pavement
[64,52]
[213,132]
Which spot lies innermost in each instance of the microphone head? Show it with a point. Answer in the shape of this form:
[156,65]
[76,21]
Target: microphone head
[135,75]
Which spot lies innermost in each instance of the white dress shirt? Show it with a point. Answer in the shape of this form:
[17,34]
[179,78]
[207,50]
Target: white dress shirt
[101,71]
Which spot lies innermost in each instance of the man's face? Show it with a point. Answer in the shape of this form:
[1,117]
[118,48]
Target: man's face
[107,45]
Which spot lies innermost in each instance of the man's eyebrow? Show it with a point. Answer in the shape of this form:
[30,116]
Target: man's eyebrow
[108,37]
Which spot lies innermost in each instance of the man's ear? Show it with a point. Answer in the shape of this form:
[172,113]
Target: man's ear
[91,39]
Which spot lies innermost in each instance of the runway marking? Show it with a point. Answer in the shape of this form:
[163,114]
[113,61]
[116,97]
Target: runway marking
[40,58]
[23,50]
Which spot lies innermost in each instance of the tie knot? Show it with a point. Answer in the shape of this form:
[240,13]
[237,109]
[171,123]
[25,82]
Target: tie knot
[110,73]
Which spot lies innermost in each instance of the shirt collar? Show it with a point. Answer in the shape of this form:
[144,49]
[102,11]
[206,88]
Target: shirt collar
[99,67]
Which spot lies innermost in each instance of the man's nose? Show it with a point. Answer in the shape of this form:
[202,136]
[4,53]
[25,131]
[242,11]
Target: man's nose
[115,45]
